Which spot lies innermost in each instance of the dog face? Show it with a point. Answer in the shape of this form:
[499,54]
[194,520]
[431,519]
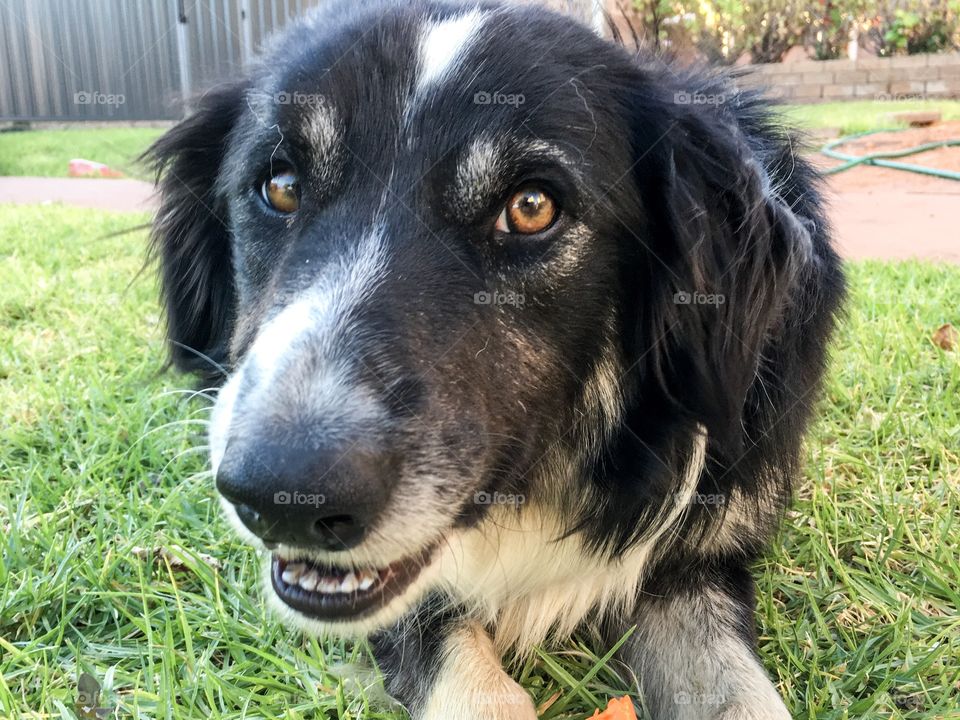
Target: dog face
[440,249]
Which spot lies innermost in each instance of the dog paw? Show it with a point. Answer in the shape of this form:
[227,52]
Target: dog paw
[504,700]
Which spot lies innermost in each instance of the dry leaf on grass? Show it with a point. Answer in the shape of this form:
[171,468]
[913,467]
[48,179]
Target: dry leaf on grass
[617,709]
[947,337]
[175,556]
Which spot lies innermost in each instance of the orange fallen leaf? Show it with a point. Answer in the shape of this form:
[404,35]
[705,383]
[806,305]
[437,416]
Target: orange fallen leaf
[617,709]
[946,337]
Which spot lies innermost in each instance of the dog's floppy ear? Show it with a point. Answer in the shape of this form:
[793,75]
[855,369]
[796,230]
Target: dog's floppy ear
[724,256]
[190,237]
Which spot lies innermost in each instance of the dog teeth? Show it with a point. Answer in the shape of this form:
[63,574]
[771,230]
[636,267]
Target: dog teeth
[309,581]
[292,573]
[349,583]
[328,585]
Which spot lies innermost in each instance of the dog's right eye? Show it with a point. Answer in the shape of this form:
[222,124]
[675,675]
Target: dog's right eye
[281,191]
[529,211]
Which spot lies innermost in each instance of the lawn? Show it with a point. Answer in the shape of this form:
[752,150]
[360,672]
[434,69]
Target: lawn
[46,153]
[863,115]
[101,457]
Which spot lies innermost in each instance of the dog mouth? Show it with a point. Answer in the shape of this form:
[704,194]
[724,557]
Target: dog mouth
[329,593]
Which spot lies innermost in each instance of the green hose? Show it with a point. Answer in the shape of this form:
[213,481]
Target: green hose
[881,159]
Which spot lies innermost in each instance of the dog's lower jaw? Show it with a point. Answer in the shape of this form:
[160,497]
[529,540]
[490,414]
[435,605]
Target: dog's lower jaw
[471,683]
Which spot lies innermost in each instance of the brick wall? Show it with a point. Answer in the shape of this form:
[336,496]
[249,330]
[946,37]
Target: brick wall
[870,78]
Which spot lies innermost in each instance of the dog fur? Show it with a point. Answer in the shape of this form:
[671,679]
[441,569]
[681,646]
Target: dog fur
[640,399]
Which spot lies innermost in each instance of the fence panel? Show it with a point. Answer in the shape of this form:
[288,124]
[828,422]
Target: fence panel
[136,59]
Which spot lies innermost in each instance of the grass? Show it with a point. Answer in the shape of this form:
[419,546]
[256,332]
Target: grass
[863,115]
[859,610]
[46,153]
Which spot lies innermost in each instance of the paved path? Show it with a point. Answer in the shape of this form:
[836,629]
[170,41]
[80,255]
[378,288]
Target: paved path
[872,220]
[895,224]
[101,193]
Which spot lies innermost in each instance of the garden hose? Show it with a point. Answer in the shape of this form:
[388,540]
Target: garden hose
[882,159]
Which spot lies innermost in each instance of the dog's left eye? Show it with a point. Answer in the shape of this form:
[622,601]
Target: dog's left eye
[281,191]
[529,210]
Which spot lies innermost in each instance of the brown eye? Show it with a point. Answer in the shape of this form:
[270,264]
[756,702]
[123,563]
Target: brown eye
[529,211]
[282,191]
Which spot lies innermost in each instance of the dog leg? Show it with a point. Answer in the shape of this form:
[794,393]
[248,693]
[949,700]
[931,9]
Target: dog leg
[447,669]
[472,684]
[692,654]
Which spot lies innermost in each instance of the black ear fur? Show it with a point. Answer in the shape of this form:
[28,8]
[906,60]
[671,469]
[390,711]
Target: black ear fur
[190,237]
[719,228]
[725,209]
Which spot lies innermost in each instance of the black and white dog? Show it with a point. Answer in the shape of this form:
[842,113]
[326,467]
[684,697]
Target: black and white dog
[523,332]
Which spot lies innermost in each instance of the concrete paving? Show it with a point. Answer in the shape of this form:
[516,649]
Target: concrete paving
[123,195]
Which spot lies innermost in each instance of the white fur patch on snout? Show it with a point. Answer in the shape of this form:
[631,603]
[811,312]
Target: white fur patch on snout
[300,360]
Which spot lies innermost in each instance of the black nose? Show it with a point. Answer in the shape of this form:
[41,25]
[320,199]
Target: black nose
[290,493]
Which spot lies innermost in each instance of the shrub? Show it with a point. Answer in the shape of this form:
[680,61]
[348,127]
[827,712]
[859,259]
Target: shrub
[722,30]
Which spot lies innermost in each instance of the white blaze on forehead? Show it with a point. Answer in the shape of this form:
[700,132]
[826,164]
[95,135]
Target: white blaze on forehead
[444,43]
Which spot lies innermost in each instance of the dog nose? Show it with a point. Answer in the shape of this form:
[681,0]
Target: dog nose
[289,493]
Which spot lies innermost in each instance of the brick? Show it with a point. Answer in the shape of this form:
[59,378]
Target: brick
[937,87]
[805,66]
[907,87]
[909,61]
[774,68]
[807,92]
[949,72]
[871,90]
[851,76]
[872,63]
[839,91]
[779,92]
[836,65]
[750,78]
[940,59]
[788,79]
[818,78]
[910,73]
